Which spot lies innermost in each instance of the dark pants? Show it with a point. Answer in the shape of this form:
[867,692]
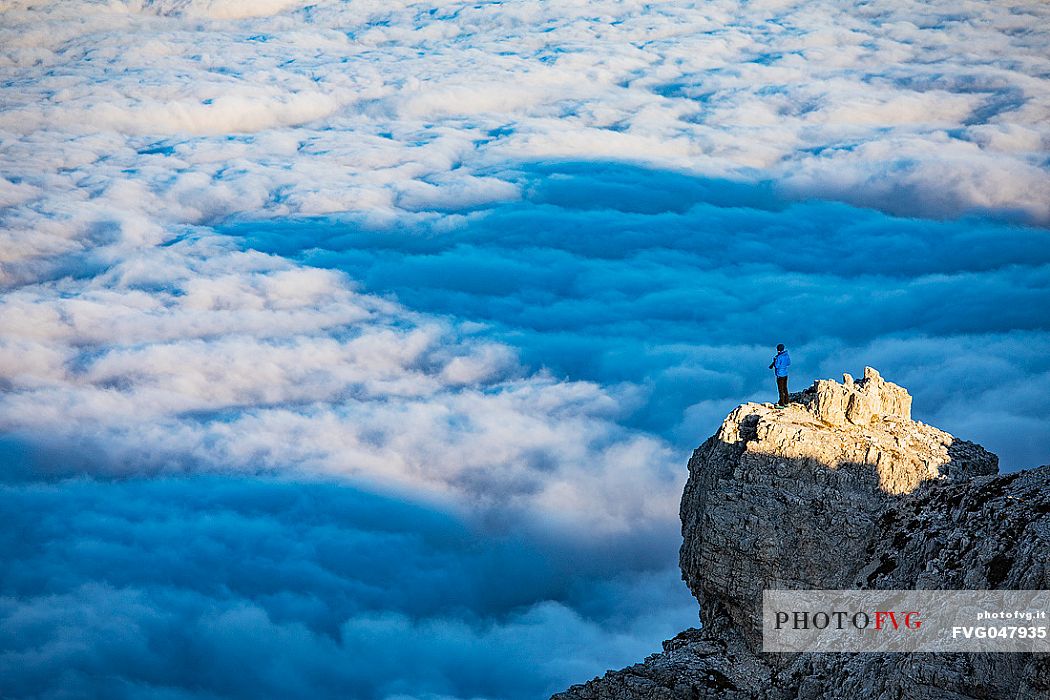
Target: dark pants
[782,387]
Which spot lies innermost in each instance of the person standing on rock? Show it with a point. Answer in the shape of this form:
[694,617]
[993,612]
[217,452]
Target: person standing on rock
[779,365]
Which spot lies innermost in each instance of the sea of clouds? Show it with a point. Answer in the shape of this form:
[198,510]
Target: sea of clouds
[357,348]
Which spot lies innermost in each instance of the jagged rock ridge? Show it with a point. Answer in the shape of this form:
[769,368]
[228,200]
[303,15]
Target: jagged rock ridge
[842,490]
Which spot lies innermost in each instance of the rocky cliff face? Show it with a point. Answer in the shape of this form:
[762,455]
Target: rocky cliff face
[842,490]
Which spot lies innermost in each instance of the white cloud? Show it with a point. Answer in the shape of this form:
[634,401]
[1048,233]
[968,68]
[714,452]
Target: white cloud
[238,361]
[827,97]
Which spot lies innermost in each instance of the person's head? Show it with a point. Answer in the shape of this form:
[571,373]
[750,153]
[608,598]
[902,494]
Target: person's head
[780,347]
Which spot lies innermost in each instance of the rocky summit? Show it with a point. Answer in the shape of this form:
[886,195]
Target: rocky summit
[842,490]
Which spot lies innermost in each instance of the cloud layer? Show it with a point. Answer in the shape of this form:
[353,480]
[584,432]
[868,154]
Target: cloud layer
[219,587]
[198,357]
[335,327]
[679,287]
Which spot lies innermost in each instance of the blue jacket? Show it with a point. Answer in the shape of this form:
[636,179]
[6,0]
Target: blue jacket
[781,362]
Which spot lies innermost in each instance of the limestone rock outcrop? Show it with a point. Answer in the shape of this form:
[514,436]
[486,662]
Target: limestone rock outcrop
[841,489]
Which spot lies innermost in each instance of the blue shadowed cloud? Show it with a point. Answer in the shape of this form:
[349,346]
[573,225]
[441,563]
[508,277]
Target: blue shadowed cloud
[211,586]
[679,287]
